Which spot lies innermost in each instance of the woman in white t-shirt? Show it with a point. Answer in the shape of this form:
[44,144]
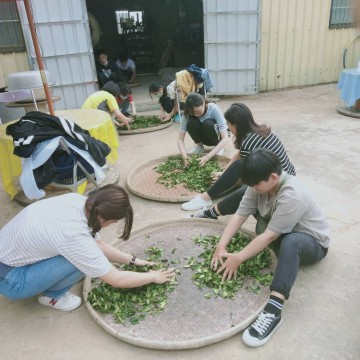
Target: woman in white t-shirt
[206,125]
[51,244]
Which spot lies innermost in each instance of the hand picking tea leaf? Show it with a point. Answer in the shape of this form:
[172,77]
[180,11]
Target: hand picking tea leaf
[252,273]
[133,305]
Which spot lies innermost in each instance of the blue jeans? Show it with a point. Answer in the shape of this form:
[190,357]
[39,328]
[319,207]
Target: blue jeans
[52,277]
[293,250]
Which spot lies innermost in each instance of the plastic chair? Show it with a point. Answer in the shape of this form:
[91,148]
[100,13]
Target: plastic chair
[17,95]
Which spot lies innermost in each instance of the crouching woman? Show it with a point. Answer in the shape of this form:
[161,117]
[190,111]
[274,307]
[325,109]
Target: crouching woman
[288,217]
[53,243]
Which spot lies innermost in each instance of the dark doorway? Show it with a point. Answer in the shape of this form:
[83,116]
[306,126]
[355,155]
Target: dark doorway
[155,34]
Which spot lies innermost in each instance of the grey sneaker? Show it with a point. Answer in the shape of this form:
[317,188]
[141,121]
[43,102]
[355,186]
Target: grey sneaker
[67,302]
[261,330]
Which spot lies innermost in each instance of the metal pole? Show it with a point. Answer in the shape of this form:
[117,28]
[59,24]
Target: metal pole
[38,57]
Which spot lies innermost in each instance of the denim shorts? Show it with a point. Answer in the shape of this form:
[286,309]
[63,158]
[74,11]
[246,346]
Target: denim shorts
[4,270]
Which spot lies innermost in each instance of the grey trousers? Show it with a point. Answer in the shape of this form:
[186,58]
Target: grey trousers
[293,250]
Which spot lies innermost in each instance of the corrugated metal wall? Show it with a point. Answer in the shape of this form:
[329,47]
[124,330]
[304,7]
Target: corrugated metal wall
[64,36]
[297,47]
[231,41]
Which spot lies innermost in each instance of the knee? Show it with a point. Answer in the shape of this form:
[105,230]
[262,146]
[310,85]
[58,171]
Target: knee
[290,244]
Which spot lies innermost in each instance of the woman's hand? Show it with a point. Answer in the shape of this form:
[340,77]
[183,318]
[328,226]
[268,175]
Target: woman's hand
[186,160]
[230,266]
[216,259]
[140,262]
[163,275]
[216,176]
[204,160]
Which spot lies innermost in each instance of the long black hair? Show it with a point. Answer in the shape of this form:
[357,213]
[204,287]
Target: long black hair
[112,87]
[110,202]
[155,87]
[194,100]
[240,116]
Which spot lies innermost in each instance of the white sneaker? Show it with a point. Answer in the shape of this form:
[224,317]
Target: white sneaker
[67,302]
[197,203]
[220,152]
[197,149]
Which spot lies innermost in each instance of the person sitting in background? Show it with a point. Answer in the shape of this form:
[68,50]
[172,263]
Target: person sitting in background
[168,107]
[126,99]
[127,67]
[106,69]
[206,125]
[105,100]
[248,136]
[51,244]
[288,219]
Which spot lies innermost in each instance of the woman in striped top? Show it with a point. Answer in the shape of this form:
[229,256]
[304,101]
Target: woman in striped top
[53,243]
[248,137]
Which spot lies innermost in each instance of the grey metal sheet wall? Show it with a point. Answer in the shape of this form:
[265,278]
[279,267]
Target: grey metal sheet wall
[231,41]
[64,36]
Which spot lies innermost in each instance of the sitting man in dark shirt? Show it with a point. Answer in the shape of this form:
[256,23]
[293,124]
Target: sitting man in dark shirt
[106,69]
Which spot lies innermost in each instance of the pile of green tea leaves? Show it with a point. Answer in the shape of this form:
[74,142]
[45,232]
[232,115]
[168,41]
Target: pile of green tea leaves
[193,177]
[132,305]
[254,272]
[143,122]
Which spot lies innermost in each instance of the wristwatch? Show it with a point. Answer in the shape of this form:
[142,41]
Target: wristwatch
[132,261]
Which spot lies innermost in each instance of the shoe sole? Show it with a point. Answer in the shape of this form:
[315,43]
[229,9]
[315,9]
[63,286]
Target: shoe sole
[260,342]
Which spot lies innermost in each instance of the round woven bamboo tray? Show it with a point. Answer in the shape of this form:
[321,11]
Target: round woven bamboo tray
[142,182]
[189,319]
[145,130]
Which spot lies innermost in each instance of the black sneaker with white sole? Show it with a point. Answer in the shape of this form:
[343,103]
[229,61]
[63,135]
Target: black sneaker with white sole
[261,330]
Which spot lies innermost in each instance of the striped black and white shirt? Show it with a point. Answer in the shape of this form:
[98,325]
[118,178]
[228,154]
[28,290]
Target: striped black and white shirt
[254,141]
[52,227]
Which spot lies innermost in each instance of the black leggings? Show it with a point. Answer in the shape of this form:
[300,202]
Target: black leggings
[206,132]
[231,178]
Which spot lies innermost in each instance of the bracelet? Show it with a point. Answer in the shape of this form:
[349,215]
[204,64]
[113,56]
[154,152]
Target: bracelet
[132,261]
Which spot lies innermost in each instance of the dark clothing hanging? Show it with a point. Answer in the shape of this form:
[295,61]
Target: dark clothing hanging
[36,127]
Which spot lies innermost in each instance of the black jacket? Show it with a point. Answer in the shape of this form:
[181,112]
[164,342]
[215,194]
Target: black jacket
[36,127]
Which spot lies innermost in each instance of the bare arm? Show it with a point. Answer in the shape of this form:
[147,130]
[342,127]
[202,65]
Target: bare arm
[233,261]
[133,108]
[231,228]
[224,140]
[120,116]
[181,145]
[131,279]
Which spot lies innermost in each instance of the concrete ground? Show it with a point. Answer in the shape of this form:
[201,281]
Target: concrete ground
[320,320]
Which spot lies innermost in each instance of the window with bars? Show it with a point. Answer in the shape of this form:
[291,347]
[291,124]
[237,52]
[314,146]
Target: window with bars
[11,35]
[342,13]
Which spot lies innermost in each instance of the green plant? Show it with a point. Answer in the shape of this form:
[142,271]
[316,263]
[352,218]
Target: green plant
[143,122]
[194,176]
[253,272]
[132,305]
